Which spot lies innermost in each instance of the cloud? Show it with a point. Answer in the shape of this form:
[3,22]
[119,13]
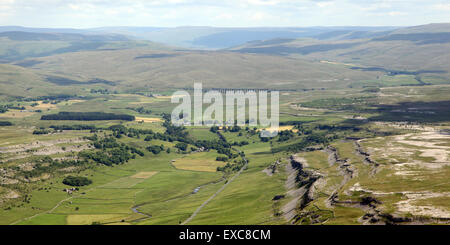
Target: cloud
[259,16]
[396,13]
[324,4]
[93,13]
[224,16]
[441,7]
[6,4]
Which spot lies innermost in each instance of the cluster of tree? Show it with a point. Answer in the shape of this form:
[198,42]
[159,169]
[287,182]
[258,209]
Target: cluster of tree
[135,150]
[251,131]
[114,156]
[107,142]
[222,159]
[119,130]
[222,147]
[214,129]
[372,90]
[242,143]
[264,139]
[303,130]
[41,131]
[155,149]
[233,129]
[227,152]
[232,167]
[110,151]
[76,181]
[309,140]
[177,133]
[182,146]
[48,165]
[5,123]
[87,116]
[172,134]
[16,107]
[285,135]
[174,131]
[140,110]
[100,91]
[3,109]
[221,137]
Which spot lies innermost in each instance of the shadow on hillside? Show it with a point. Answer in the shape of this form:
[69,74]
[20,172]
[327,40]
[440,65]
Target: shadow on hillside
[420,112]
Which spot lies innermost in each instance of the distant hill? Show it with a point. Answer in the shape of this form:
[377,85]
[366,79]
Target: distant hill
[412,49]
[42,30]
[140,69]
[217,38]
[200,37]
[430,28]
[33,36]
[18,45]
[19,82]
[322,58]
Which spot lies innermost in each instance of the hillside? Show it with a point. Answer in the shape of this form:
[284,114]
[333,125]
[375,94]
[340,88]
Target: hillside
[420,50]
[18,81]
[140,68]
[17,45]
[205,37]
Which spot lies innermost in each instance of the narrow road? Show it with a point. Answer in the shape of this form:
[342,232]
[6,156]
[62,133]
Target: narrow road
[58,204]
[215,194]
[45,212]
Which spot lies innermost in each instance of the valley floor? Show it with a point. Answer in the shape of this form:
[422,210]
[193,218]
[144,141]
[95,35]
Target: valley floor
[338,161]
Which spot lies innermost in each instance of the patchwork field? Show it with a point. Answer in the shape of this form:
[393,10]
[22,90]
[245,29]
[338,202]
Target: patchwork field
[202,161]
[341,157]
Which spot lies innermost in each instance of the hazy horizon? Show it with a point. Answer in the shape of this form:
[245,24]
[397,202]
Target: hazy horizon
[85,14]
[212,26]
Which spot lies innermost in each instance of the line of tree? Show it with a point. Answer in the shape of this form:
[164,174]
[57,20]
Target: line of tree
[5,123]
[140,110]
[87,116]
[50,97]
[41,131]
[75,127]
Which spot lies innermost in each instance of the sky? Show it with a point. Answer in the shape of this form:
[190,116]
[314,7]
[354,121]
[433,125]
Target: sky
[222,13]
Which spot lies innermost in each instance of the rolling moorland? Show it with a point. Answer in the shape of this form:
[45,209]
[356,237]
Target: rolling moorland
[85,136]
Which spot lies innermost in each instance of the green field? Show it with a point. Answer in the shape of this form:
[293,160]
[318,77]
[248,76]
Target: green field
[361,141]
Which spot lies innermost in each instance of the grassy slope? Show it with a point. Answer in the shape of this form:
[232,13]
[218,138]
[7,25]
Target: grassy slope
[394,54]
[213,69]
